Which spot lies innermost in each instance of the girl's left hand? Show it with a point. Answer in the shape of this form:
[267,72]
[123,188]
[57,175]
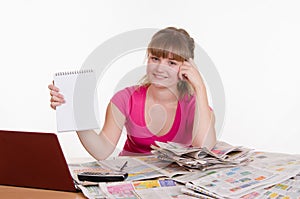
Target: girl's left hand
[188,70]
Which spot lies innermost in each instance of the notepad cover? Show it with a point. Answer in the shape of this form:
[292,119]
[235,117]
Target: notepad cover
[80,110]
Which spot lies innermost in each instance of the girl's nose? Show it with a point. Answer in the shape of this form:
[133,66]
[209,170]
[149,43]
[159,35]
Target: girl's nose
[161,65]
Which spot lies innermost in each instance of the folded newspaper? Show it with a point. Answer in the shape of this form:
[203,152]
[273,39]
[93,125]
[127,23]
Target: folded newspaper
[223,155]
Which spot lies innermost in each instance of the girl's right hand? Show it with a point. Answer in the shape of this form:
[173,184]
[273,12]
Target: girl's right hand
[56,98]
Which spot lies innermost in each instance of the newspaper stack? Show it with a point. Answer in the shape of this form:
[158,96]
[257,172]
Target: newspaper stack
[221,156]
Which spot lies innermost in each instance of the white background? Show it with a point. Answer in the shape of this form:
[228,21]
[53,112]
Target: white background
[254,45]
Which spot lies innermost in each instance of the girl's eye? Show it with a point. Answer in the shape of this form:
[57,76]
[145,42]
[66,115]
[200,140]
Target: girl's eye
[155,59]
[172,63]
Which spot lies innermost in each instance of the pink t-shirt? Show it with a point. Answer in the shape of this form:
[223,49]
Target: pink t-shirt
[131,102]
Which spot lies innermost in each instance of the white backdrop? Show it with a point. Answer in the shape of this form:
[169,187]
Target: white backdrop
[253,44]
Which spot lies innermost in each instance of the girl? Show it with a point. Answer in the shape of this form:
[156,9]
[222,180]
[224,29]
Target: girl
[170,103]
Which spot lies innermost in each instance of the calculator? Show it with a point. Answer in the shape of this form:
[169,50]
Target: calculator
[102,176]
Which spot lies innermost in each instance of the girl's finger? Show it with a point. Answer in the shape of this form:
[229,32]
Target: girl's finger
[54,93]
[183,74]
[57,99]
[54,105]
[191,61]
[53,88]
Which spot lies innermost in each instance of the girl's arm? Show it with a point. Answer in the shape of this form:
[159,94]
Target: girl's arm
[99,145]
[204,134]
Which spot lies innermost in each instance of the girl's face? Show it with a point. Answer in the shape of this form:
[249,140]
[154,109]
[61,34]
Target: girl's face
[163,72]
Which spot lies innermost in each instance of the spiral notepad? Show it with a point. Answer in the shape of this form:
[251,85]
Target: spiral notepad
[80,110]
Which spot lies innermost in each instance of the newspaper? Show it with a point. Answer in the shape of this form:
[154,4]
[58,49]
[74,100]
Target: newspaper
[288,189]
[92,192]
[276,162]
[233,182]
[164,189]
[261,178]
[168,189]
[267,175]
[138,168]
[183,179]
[144,167]
[222,155]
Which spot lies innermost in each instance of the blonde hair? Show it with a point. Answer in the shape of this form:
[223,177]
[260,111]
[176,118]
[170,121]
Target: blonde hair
[176,43]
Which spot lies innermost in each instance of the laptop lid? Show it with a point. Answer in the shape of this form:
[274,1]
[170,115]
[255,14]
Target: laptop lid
[32,159]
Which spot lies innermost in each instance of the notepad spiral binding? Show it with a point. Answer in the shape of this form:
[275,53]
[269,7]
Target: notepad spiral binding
[74,72]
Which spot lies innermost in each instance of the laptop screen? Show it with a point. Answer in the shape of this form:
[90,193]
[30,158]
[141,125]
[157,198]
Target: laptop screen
[32,159]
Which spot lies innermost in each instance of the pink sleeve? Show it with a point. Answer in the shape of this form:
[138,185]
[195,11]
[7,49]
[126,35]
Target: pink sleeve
[122,99]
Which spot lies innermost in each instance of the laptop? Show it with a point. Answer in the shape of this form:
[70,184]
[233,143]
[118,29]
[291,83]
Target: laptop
[35,160]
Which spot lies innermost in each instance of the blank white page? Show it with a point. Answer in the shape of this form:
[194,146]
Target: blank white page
[80,110]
